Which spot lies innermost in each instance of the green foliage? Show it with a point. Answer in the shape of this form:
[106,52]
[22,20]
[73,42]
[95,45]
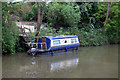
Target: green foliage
[32,14]
[53,32]
[112,34]
[28,16]
[88,13]
[67,14]
[90,38]
[8,37]
[86,20]
[101,11]
[14,8]
[9,30]
[112,24]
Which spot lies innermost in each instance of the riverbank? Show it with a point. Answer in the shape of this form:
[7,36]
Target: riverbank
[81,46]
[88,23]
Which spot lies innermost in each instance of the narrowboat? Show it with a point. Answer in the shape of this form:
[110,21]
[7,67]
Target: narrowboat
[49,44]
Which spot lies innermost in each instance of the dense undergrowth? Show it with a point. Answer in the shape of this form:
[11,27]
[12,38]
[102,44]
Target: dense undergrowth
[91,38]
[86,20]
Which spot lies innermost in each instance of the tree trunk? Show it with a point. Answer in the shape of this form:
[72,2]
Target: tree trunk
[40,17]
[108,9]
[107,14]
[38,20]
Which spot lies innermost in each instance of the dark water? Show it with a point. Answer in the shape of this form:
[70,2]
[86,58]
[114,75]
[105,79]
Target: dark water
[87,62]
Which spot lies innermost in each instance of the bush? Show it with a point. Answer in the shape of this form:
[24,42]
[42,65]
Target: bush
[9,31]
[52,32]
[63,14]
[111,26]
[28,16]
[89,38]
[9,38]
[112,34]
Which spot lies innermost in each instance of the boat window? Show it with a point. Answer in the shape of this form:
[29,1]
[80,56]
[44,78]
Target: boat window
[73,40]
[57,42]
[65,41]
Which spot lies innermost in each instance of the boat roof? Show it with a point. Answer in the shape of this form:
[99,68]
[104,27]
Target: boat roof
[62,37]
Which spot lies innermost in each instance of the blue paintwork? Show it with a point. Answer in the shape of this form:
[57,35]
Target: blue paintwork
[48,42]
[39,41]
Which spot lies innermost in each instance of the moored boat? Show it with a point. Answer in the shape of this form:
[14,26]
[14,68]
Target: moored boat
[50,43]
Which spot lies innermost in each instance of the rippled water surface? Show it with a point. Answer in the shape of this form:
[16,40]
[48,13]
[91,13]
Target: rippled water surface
[87,62]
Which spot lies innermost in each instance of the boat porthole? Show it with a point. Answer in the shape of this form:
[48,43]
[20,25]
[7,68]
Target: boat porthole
[65,41]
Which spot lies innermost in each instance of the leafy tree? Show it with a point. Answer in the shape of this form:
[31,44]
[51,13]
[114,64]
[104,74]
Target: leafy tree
[63,14]
[9,28]
[88,18]
[87,12]
[111,25]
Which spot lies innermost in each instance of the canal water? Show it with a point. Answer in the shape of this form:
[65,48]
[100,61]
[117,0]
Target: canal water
[87,62]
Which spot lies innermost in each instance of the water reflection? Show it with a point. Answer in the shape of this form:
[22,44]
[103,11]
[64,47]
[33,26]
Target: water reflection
[33,60]
[63,64]
[35,67]
[55,64]
[89,62]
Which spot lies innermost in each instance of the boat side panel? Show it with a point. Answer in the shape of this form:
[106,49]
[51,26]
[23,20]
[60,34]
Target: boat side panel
[62,41]
[39,41]
[48,42]
[65,46]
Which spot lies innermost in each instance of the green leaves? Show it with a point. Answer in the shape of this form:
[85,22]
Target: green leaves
[28,16]
[111,26]
[8,32]
[91,38]
[53,32]
[63,14]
